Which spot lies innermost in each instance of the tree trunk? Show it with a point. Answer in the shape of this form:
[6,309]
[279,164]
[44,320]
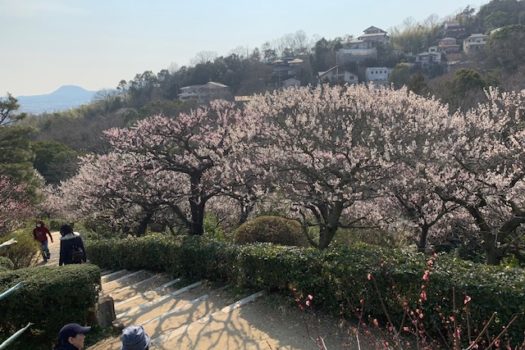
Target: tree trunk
[196,205]
[492,252]
[245,212]
[422,244]
[326,234]
[329,228]
[141,231]
[197,218]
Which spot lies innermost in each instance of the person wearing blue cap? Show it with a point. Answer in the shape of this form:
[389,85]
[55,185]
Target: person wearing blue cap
[134,338]
[71,337]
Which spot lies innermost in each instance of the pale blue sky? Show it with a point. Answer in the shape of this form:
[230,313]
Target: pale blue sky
[95,43]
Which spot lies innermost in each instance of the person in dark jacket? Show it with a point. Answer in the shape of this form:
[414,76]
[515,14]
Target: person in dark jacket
[40,234]
[71,337]
[72,249]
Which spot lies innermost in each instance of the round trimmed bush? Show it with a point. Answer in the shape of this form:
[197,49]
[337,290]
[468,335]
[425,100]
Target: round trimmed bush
[6,263]
[271,229]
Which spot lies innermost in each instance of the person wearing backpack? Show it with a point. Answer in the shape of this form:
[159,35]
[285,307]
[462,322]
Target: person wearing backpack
[40,233]
[72,249]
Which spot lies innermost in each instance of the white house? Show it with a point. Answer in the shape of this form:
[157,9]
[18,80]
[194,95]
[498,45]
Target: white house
[205,93]
[378,74]
[475,43]
[356,51]
[432,56]
[337,75]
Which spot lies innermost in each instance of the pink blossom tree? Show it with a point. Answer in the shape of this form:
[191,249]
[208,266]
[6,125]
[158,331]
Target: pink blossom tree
[331,148]
[124,190]
[195,146]
[485,171]
[16,205]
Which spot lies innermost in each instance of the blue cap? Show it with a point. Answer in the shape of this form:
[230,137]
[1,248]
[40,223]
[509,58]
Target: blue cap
[134,338]
[71,330]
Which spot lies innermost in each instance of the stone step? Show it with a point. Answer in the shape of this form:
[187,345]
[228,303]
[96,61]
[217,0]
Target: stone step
[164,303]
[125,281]
[113,276]
[125,293]
[167,320]
[148,296]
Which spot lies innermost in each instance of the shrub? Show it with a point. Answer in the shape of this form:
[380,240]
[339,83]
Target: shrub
[6,263]
[24,252]
[271,229]
[336,277]
[50,297]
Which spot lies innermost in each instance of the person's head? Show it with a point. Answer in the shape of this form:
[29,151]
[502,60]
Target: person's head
[74,334]
[40,224]
[65,230]
[134,338]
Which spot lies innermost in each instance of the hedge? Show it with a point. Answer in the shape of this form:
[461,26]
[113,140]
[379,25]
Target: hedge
[340,279]
[50,297]
[6,263]
[271,229]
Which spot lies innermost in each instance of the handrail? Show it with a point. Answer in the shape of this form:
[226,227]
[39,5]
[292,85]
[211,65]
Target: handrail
[11,290]
[12,338]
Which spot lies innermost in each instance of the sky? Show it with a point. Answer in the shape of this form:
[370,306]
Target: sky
[45,44]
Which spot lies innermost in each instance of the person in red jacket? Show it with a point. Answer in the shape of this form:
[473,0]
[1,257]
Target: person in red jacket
[40,234]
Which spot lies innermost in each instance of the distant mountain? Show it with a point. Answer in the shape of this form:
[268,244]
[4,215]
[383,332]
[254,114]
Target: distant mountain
[65,97]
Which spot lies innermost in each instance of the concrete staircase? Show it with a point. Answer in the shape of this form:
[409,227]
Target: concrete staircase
[200,315]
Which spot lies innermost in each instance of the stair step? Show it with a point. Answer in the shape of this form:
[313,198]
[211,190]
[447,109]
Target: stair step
[124,281]
[114,275]
[147,296]
[150,283]
[165,302]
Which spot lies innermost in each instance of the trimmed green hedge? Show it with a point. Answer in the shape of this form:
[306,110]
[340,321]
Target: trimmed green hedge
[271,229]
[337,278]
[50,298]
[6,263]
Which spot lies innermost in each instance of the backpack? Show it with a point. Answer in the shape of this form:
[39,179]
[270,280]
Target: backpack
[77,256]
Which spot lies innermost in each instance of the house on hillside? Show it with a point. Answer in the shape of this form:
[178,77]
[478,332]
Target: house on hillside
[242,100]
[205,93]
[286,68]
[337,75]
[453,29]
[475,43]
[374,34]
[378,74]
[356,51]
[429,58]
[448,45]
